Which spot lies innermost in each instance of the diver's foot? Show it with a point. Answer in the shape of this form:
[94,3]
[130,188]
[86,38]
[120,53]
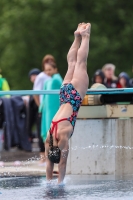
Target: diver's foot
[81,26]
[86,31]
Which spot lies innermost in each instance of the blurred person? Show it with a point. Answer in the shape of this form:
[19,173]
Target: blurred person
[32,107]
[123,80]
[4,86]
[50,103]
[131,80]
[42,78]
[38,85]
[98,77]
[72,92]
[110,79]
[33,74]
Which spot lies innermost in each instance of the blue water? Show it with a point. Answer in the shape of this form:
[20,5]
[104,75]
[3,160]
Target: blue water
[75,188]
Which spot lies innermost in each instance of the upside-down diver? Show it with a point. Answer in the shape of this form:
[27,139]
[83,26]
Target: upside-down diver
[72,92]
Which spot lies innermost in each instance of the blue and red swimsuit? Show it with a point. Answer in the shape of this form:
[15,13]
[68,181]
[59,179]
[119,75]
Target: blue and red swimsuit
[68,94]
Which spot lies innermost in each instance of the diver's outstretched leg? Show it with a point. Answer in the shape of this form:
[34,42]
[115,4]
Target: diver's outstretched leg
[72,54]
[80,77]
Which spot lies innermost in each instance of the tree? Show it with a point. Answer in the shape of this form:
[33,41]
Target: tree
[32,28]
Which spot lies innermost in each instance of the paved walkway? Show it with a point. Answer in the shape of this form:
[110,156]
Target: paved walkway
[20,163]
[23,168]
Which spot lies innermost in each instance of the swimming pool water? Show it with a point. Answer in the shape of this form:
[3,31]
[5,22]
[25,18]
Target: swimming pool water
[75,188]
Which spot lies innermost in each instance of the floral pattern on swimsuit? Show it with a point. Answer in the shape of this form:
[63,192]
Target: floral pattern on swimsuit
[68,94]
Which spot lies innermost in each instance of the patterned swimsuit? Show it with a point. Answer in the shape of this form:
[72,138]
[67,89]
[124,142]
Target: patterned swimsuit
[68,94]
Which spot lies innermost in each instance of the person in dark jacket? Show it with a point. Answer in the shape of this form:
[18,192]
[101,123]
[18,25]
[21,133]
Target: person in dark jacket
[35,118]
[98,77]
[32,107]
[123,80]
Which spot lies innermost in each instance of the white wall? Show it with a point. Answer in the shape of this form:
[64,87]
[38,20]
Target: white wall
[100,159]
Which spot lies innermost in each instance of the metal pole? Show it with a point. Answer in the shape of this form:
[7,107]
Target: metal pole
[51,92]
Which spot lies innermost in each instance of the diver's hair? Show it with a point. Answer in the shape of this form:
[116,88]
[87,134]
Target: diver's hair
[54,153]
[51,141]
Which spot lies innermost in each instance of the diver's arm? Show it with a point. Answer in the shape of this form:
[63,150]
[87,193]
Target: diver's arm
[49,164]
[63,162]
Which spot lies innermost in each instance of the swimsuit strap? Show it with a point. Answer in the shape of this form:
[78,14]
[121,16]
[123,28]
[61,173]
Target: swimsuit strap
[55,126]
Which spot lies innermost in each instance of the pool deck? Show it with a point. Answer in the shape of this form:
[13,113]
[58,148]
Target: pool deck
[20,163]
[24,168]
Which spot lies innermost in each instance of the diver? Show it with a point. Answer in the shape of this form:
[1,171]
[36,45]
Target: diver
[72,92]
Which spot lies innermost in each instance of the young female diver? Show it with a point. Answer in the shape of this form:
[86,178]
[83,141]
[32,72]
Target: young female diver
[72,92]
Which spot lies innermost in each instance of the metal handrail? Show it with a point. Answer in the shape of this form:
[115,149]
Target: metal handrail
[51,92]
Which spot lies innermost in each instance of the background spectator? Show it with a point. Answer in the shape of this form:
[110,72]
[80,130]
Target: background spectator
[123,80]
[110,78]
[32,107]
[42,78]
[39,85]
[50,104]
[33,74]
[4,85]
[98,77]
[131,80]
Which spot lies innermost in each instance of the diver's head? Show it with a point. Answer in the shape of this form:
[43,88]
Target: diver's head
[54,154]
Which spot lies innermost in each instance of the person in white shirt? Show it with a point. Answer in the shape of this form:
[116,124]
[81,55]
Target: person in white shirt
[42,78]
[38,85]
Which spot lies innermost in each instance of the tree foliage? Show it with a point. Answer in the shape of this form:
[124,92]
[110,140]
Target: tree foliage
[32,28]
